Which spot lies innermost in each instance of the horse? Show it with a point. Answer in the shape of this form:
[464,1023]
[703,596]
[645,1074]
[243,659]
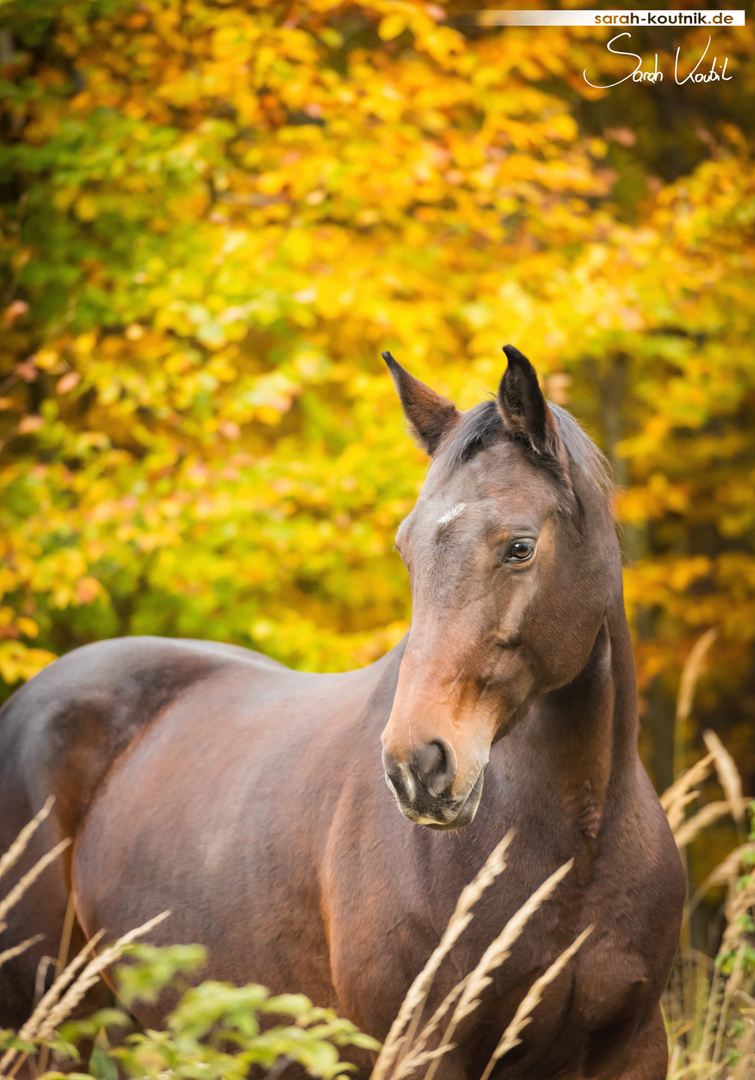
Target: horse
[252,802]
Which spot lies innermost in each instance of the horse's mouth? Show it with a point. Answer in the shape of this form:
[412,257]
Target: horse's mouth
[449,817]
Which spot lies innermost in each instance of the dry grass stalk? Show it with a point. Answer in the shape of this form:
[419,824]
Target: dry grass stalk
[674,1057]
[496,954]
[745,1067]
[740,901]
[686,782]
[730,987]
[50,999]
[710,1058]
[705,996]
[710,1018]
[728,774]
[728,872]
[28,880]
[91,974]
[693,1034]
[706,1044]
[709,814]
[499,949]
[691,672]
[60,966]
[414,1002]
[59,1002]
[19,845]
[412,1060]
[53,995]
[677,812]
[16,950]
[530,1002]
[417,1060]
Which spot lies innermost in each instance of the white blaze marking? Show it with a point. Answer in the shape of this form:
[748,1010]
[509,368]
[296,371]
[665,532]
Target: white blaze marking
[451,514]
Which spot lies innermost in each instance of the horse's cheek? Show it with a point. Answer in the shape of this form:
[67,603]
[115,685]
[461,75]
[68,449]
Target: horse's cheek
[567,633]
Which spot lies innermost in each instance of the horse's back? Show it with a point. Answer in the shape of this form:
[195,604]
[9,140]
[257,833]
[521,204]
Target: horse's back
[61,732]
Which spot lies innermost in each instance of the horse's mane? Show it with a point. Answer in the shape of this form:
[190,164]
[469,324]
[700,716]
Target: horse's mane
[582,450]
[482,426]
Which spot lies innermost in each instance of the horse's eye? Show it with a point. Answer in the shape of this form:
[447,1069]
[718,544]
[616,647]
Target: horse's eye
[519,551]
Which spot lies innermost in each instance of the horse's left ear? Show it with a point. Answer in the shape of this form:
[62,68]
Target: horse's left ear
[430,415]
[523,408]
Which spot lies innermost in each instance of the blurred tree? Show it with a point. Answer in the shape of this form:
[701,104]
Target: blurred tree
[215,215]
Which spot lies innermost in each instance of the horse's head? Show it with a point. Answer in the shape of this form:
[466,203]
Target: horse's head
[509,551]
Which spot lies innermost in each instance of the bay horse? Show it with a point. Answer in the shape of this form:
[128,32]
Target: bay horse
[251,800]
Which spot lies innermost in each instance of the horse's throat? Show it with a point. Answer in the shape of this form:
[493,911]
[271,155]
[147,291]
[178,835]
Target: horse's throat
[576,731]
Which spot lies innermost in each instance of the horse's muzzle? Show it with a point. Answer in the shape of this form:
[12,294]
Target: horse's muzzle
[423,789]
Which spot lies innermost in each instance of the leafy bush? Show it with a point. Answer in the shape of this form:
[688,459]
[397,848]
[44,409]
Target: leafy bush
[215,1031]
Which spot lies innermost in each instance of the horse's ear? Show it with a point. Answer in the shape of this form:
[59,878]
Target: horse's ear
[523,408]
[430,415]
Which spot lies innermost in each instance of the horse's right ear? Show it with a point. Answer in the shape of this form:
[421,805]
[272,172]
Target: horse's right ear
[523,408]
[430,415]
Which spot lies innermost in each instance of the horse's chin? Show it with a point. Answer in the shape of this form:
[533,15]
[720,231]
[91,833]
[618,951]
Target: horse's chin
[463,815]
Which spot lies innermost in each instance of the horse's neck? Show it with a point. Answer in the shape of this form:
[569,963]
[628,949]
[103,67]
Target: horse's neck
[586,732]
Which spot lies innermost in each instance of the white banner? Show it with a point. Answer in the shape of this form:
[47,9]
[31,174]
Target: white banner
[600,17]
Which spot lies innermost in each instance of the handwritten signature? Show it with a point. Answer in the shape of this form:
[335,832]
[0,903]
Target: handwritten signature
[652,76]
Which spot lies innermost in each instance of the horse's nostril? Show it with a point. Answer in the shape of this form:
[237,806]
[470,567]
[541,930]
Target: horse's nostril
[435,765]
[398,778]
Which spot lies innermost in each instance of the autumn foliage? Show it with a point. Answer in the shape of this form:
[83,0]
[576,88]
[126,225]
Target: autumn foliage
[214,217]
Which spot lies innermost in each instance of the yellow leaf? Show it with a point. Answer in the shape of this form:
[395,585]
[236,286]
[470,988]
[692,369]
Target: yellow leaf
[46,359]
[86,208]
[391,26]
[27,626]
